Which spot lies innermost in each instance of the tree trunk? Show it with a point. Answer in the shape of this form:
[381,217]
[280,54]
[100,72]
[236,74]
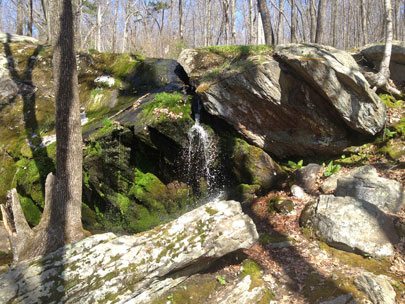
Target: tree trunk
[364,22]
[61,219]
[320,29]
[98,31]
[383,75]
[208,24]
[293,22]
[252,32]
[312,12]
[334,25]
[20,18]
[280,25]
[265,16]
[233,20]
[31,21]
[181,34]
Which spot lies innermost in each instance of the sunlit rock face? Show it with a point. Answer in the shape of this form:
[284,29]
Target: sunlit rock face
[299,100]
[134,268]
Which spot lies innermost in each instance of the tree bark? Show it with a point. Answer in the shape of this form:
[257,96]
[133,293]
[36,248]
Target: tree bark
[233,20]
[265,16]
[280,25]
[20,18]
[61,219]
[320,29]
[383,75]
[181,34]
[31,20]
[98,30]
[293,22]
[364,22]
[312,12]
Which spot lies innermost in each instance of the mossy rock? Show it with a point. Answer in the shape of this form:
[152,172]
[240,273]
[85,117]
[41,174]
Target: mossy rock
[394,148]
[148,189]
[251,165]
[245,193]
[30,175]
[31,211]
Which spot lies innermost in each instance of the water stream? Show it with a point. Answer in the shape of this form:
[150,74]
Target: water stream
[201,158]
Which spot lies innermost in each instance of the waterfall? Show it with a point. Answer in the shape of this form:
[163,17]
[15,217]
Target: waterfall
[202,155]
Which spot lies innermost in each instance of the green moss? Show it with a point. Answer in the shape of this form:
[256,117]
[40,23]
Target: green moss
[123,202]
[251,268]
[175,102]
[148,189]
[266,238]
[89,218]
[123,64]
[211,211]
[239,50]
[395,149]
[27,178]
[31,211]
[390,101]
[144,219]
[376,266]
[245,193]
[400,127]
[195,291]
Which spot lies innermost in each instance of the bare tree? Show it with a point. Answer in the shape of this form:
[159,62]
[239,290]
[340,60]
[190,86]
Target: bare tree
[265,16]
[61,219]
[20,18]
[293,26]
[383,75]
[320,27]
[181,24]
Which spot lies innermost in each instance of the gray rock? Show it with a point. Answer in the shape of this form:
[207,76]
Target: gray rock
[377,288]
[134,268]
[336,75]
[342,299]
[371,56]
[240,292]
[353,225]
[297,191]
[284,107]
[307,177]
[8,90]
[365,184]
[7,38]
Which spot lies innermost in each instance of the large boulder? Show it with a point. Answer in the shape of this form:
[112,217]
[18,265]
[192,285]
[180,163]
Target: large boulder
[107,268]
[365,184]
[352,225]
[371,55]
[305,100]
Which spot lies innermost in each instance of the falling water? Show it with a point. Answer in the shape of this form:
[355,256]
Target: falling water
[201,157]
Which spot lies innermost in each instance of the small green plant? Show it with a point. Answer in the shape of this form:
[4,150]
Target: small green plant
[107,123]
[295,165]
[221,280]
[331,169]
[388,134]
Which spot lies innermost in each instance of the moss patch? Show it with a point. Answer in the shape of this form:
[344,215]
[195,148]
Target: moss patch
[31,211]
